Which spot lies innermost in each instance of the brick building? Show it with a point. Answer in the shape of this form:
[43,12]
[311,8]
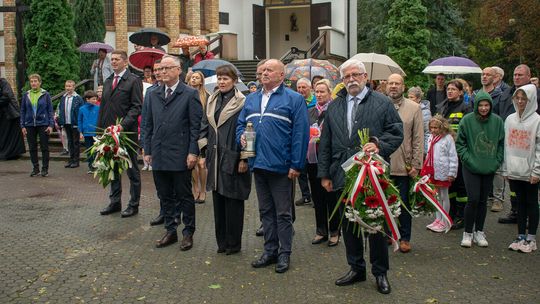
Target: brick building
[122,18]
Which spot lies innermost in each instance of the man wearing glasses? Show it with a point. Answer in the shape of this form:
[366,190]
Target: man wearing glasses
[357,107]
[171,130]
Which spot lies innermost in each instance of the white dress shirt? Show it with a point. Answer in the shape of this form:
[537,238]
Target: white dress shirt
[350,103]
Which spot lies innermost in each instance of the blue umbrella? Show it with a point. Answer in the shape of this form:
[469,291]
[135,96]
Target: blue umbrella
[208,67]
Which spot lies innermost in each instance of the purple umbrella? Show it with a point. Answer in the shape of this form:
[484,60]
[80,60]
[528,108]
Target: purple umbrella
[94,47]
[452,65]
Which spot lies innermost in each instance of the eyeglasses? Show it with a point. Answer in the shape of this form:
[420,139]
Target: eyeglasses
[166,68]
[353,75]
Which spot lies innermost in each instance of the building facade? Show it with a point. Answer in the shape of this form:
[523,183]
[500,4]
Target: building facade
[124,17]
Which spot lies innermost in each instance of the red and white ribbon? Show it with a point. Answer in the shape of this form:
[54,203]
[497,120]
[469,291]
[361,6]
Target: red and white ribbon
[114,131]
[431,196]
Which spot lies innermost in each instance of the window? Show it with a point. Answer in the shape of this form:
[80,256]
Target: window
[203,14]
[223,18]
[160,13]
[183,14]
[134,12]
[108,10]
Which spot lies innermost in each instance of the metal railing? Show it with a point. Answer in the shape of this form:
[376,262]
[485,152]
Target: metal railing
[80,83]
[316,49]
[217,50]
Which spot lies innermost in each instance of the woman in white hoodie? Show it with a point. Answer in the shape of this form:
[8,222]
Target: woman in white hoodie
[522,164]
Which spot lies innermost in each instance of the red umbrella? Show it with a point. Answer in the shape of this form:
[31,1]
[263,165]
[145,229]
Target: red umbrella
[145,57]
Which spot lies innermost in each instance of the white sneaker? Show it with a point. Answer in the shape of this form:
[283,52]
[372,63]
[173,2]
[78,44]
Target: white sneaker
[527,246]
[516,244]
[467,240]
[149,168]
[144,168]
[479,238]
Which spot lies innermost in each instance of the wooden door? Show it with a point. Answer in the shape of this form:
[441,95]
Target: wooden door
[321,15]
[259,32]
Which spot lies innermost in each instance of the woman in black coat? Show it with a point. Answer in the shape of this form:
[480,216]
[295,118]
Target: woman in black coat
[228,176]
[11,138]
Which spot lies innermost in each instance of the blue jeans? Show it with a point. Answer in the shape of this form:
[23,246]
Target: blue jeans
[88,142]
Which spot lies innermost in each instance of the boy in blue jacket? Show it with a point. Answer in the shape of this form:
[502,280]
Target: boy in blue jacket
[88,115]
[68,112]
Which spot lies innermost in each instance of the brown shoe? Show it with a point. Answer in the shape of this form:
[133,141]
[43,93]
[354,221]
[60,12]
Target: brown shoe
[404,246]
[168,239]
[187,243]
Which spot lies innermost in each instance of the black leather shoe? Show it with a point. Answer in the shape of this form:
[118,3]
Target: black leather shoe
[168,239]
[130,211]
[112,208]
[283,263]
[511,218]
[221,250]
[34,172]
[382,284]
[260,231]
[74,165]
[44,172]
[351,277]
[264,261]
[231,251]
[160,219]
[68,164]
[316,240]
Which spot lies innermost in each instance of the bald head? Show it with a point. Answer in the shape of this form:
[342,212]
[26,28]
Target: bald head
[395,87]
[488,78]
[273,74]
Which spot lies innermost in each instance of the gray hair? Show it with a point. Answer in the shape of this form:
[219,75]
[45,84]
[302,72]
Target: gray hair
[498,70]
[352,63]
[304,80]
[175,58]
[416,91]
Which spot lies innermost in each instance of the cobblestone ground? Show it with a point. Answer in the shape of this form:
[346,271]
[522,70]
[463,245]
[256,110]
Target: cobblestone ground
[56,248]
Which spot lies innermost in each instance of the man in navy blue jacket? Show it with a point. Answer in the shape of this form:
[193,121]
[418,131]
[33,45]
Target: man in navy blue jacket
[68,111]
[171,129]
[280,118]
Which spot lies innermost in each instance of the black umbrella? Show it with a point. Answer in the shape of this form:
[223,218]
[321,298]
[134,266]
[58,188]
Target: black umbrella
[143,36]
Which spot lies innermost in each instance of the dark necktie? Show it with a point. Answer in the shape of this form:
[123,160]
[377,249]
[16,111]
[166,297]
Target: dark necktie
[115,82]
[353,113]
[169,92]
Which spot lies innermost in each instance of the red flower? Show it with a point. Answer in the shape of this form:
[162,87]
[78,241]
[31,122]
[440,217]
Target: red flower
[420,204]
[384,184]
[392,199]
[115,149]
[106,148]
[372,201]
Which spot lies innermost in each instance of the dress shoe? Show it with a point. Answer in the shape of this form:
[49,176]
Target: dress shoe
[404,246]
[260,231]
[283,263]
[168,239]
[68,164]
[160,219]
[351,277]
[221,250]
[264,261]
[303,201]
[511,218]
[74,165]
[231,251]
[382,284]
[112,208]
[130,211]
[318,239]
[35,172]
[187,243]
[332,243]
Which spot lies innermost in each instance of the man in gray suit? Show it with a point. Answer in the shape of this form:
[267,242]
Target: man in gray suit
[171,131]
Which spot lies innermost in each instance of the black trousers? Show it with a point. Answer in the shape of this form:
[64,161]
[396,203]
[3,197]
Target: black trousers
[74,149]
[405,219]
[134,175]
[324,203]
[176,197]
[229,221]
[458,195]
[526,205]
[304,185]
[354,247]
[478,188]
[32,137]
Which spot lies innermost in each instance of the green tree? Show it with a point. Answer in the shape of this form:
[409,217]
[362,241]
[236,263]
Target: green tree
[89,24]
[372,16]
[443,20]
[407,39]
[50,42]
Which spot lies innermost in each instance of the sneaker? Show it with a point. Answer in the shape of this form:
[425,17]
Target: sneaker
[434,224]
[44,172]
[497,206]
[467,240]
[302,201]
[90,171]
[516,244]
[511,218]
[479,238]
[441,227]
[149,168]
[527,246]
[144,168]
[64,152]
[35,172]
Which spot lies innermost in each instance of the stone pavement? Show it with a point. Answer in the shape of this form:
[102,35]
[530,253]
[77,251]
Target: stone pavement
[56,248]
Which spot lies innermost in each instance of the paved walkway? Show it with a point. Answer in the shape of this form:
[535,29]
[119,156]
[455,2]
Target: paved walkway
[56,248]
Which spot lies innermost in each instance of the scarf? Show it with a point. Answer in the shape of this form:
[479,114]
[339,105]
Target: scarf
[322,108]
[428,167]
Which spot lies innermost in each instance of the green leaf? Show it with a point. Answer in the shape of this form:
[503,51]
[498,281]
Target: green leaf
[214,286]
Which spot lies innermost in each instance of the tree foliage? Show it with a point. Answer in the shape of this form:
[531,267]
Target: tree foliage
[50,42]
[89,24]
[406,24]
[443,19]
[372,16]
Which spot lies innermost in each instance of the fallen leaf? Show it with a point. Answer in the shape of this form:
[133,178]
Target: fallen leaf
[482,264]
[496,277]
[214,286]
[141,298]
[432,300]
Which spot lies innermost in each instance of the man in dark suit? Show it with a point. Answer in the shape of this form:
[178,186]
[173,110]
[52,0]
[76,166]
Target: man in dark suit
[122,98]
[357,107]
[171,131]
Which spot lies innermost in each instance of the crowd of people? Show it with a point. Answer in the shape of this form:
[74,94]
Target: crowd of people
[470,143]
